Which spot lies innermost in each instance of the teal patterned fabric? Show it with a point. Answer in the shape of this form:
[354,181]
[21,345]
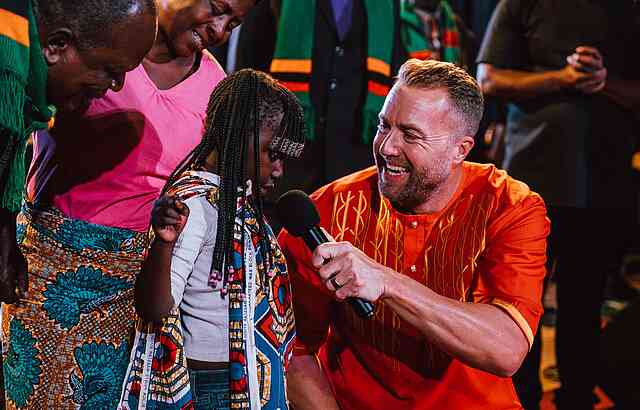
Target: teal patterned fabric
[101,368]
[77,235]
[79,291]
[66,344]
[21,365]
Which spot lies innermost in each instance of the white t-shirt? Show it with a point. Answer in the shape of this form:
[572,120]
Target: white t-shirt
[204,313]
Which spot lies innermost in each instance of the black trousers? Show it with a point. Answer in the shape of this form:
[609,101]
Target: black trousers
[586,244]
[620,358]
[526,380]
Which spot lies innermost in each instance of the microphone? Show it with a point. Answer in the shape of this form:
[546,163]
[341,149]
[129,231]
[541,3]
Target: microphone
[300,217]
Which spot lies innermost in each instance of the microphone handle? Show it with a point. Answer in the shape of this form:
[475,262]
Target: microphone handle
[363,308]
[314,237]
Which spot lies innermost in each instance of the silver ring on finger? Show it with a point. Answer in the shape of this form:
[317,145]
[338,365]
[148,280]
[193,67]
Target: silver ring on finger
[335,283]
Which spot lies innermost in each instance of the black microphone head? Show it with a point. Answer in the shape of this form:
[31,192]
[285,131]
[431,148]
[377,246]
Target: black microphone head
[296,212]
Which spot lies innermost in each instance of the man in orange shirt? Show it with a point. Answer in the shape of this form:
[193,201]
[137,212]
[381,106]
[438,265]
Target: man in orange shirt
[452,253]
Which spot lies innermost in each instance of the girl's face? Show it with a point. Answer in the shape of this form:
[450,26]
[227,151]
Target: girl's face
[271,162]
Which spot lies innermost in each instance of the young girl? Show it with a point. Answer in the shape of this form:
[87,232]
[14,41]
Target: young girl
[215,281]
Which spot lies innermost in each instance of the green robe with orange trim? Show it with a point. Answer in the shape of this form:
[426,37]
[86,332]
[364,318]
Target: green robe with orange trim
[292,62]
[23,87]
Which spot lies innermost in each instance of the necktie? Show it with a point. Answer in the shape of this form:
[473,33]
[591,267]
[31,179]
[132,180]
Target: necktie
[342,11]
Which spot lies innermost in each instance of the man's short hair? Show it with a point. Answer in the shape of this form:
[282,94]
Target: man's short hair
[92,21]
[462,88]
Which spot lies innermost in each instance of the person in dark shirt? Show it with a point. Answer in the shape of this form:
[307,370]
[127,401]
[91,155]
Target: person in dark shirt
[573,95]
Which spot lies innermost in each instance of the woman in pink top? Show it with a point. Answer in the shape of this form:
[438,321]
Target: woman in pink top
[90,190]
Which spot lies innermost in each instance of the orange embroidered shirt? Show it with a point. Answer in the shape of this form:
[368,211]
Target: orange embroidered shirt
[488,245]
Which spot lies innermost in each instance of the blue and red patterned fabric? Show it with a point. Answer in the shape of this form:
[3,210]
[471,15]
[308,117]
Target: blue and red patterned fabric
[261,322]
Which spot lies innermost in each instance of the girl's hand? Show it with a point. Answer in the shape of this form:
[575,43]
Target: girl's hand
[168,218]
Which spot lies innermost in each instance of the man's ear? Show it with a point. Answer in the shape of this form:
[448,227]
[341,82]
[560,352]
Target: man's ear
[56,44]
[463,147]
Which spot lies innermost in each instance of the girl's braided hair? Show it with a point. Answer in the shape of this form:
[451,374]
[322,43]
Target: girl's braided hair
[239,107]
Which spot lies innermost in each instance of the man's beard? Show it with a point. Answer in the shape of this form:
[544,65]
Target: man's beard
[420,186]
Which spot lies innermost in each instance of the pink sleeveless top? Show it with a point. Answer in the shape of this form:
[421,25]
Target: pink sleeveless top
[109,167]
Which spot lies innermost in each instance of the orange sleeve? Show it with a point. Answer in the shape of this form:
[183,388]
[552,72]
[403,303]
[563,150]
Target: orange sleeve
[311,299]
[511,269]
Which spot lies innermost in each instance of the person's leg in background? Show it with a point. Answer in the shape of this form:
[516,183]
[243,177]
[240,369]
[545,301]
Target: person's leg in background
[591,242]
[527,380]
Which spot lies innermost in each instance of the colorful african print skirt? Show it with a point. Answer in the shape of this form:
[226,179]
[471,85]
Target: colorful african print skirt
[66,344]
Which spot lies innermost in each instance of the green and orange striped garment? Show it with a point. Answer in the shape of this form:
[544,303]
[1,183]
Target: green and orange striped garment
[23,86]
[292,62]
[437,38]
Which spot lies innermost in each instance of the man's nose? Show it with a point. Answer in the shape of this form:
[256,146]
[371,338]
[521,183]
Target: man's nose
[389,145]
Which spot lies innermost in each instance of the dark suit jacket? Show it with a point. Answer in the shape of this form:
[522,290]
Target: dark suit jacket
[338,88]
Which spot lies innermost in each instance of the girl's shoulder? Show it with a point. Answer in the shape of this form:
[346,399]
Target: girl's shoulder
[193,184]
